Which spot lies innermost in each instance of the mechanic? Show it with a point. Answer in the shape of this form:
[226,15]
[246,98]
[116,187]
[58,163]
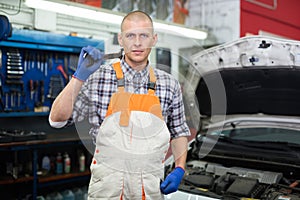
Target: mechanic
[136,112]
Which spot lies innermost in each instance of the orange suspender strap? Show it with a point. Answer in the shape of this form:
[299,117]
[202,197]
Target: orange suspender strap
[120,76]
[152,82]
[121,82]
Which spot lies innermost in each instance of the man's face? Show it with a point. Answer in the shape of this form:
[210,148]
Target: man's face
[137,39]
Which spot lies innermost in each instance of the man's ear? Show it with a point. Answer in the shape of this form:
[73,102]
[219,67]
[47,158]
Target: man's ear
[154,40]
[120,39]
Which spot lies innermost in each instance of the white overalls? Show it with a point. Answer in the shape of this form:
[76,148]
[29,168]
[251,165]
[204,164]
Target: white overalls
[131,146]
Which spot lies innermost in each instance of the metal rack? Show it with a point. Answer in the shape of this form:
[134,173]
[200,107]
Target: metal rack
[34,148]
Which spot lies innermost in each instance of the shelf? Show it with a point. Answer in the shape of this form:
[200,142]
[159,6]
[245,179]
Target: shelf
[56,177]
[10,180]
[23,114]
[43,179]
[40,40]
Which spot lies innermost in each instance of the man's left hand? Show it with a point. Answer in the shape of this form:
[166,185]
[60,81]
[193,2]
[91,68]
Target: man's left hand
[171,183]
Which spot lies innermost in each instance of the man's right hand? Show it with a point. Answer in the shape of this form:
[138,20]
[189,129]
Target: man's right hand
[89,61]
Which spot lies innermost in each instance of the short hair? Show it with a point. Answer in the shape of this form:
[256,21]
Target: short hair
[137,14]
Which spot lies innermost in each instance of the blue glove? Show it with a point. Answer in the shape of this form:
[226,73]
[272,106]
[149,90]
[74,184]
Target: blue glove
[171,183]
[89,61]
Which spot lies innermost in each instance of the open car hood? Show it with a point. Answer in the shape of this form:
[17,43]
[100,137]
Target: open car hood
[255,74]
[245,98]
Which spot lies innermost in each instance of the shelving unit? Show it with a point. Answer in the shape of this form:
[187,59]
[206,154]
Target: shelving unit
[34,68]
[36,148]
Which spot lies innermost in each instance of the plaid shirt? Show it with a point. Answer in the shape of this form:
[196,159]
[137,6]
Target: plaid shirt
[94,97]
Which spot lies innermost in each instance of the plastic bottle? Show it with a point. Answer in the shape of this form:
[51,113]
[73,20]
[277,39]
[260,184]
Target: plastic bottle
[59,164]
[54,196]
[67,163]
[68,195]
[78,194]
[46,163]
[40,198]
[81,162]
[58,196]
[84,192]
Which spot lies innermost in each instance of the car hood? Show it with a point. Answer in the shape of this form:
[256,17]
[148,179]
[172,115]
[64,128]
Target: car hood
[243,99]
[251,75]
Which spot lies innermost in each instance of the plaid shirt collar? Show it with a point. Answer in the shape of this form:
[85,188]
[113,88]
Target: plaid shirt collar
[130,73]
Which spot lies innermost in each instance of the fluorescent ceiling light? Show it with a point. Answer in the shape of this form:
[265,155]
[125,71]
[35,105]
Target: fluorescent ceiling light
[180,31]
[73,9]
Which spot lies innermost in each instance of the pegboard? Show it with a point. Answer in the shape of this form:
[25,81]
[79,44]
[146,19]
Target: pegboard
[34,68]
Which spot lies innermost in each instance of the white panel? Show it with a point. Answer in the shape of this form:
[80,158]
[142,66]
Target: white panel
[219,17]
[44,20]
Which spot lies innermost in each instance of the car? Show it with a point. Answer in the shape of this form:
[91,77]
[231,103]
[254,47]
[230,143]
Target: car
[242,98]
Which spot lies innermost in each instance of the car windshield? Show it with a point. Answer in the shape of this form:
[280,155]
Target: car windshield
[262,135]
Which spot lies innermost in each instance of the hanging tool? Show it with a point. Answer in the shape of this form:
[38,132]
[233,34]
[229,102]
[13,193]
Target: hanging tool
[56,85]
[42,63]
[6,108]
[32,60]
[35,88]
[61,69]
[16,54]
[19,99]
[14,72]
[26,61]
[46,64]
[50,62]
[38,61]
[12,99]
[31,89]
[66,63]
[42,92]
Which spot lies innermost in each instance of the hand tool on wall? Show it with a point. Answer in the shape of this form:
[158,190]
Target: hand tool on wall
[66,63]
[14,82]
[19,99]
[42,92]
[42,63]
[32,61]
[14,72]
[14,67]
[56,85]
[50,62]
[14,60]
[38,61]
[31,89]
[73,62]
[60,68]
[16,54]
[6,108]
[46,64]
[26,61]
[12,99]
[36,88]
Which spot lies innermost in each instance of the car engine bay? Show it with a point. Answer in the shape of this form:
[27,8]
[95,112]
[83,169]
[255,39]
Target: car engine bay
[225,177]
